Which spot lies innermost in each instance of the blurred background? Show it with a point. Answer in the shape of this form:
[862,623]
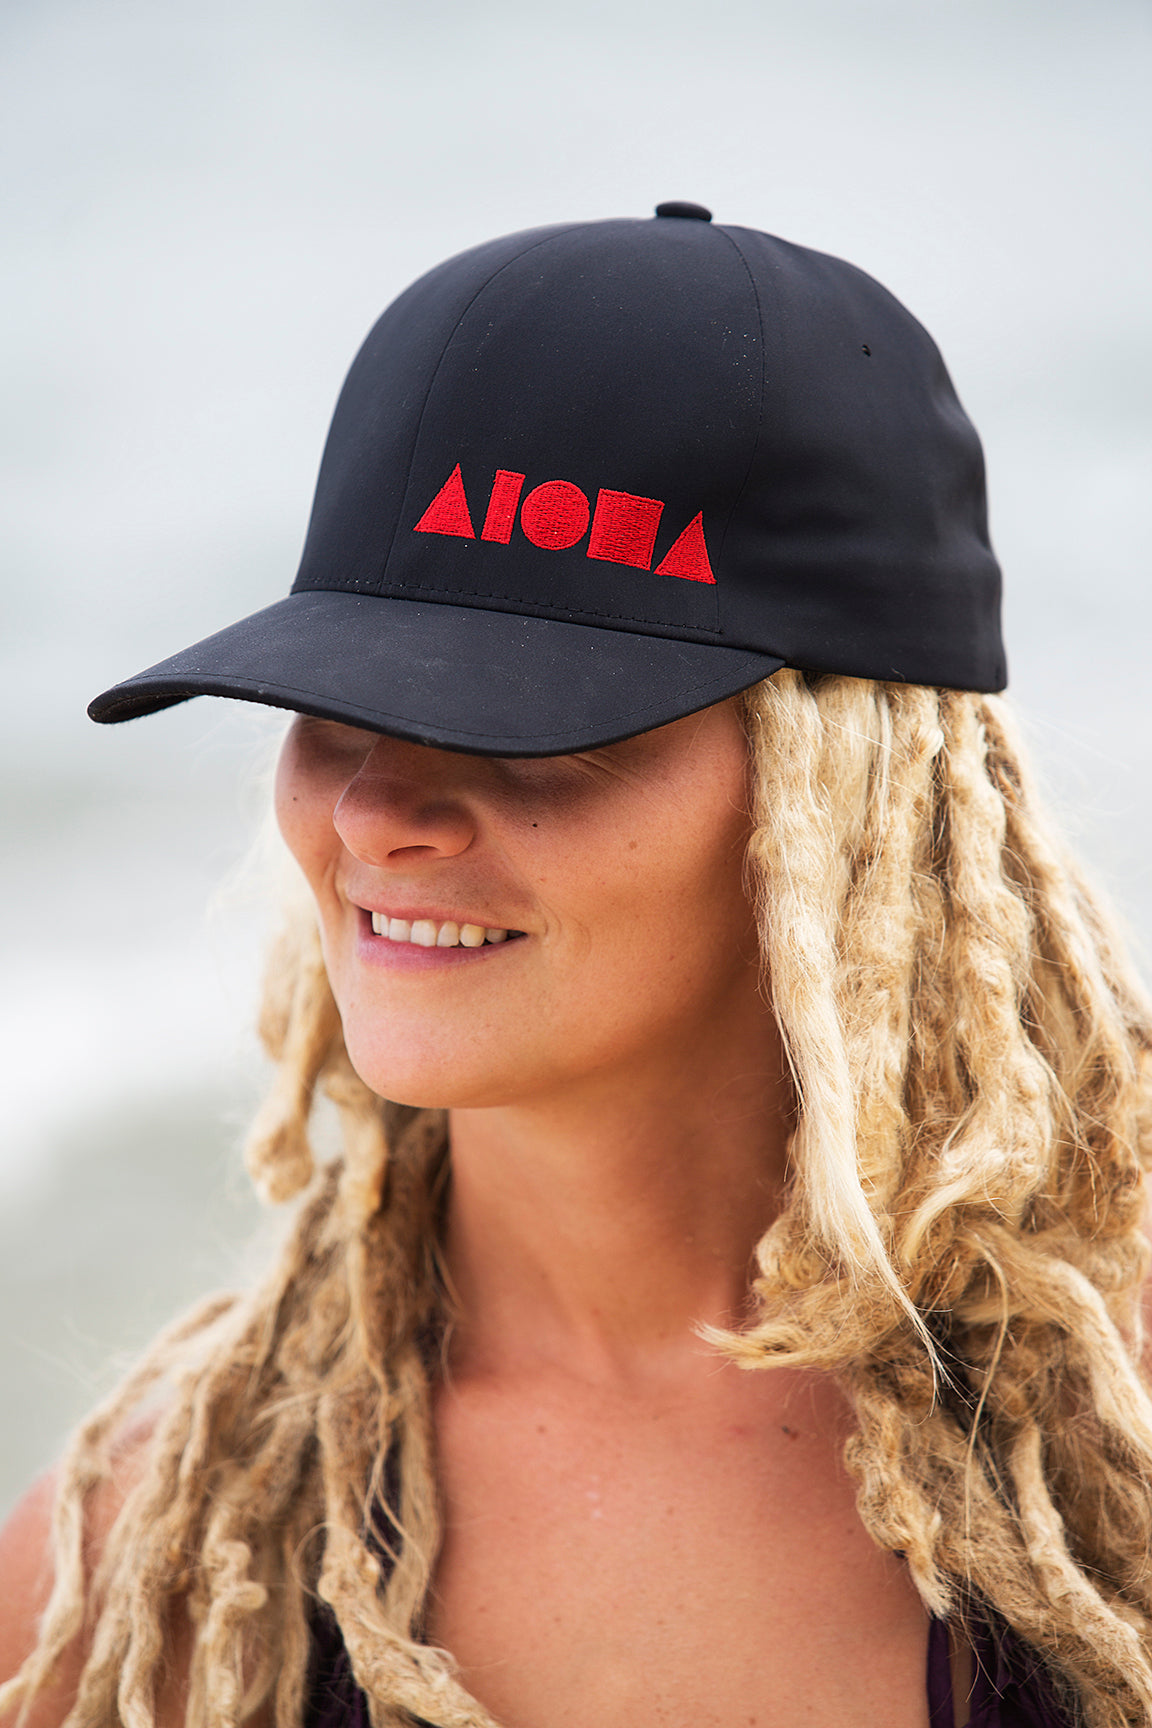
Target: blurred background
[204,207]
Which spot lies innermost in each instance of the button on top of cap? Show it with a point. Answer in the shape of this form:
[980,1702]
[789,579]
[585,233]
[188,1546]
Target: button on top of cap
[678,207]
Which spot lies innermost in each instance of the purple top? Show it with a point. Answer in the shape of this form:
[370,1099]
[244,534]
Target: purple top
[1009,1690]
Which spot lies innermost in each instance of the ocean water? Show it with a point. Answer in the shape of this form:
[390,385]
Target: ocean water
[205,209]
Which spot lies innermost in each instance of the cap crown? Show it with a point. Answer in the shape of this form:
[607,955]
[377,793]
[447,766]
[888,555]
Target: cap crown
[668,428]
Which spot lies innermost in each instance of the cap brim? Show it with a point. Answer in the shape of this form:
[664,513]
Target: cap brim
[460,678]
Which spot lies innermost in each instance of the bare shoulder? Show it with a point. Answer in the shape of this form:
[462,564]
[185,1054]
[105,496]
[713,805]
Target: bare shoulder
[26,1574]
[27,1571]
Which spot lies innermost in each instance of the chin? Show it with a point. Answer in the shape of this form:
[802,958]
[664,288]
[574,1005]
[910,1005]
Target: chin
[420,1083]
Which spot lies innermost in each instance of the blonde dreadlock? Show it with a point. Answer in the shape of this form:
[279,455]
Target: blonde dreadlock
[961,1245]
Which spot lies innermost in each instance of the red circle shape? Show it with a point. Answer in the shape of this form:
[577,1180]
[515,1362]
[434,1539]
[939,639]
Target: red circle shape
[555,515]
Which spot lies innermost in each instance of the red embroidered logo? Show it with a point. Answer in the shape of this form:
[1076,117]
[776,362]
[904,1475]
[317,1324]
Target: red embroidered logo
[556,516]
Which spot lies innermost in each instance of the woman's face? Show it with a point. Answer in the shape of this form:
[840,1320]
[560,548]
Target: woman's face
[616,873]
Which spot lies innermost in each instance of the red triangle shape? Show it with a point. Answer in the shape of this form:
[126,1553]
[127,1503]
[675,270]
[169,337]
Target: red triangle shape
[448,511]
[688,555]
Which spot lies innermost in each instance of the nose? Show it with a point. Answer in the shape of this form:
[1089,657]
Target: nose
[407,803]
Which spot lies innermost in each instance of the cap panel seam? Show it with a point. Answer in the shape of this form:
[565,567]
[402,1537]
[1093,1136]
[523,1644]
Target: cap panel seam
[553,233]
[738,500]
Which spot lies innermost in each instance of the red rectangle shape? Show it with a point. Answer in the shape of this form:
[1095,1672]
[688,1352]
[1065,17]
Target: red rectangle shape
[624,528]
[501,514]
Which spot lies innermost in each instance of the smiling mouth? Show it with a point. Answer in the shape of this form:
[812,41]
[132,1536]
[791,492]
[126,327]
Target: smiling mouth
[425,933]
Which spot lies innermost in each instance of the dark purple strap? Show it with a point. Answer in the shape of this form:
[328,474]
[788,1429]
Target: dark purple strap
[1011,1689]
[940,1712]
[334,1699]
[1009,1686]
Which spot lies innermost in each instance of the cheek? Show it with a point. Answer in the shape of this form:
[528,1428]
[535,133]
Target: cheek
[304,809]
[671,921]
[712,923]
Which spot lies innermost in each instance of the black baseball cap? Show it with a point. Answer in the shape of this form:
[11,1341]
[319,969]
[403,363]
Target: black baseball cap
[586,479]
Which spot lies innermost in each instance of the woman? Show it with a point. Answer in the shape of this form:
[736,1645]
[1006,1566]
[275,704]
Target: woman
[733,1315]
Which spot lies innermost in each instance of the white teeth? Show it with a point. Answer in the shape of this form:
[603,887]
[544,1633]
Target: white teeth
[426,933]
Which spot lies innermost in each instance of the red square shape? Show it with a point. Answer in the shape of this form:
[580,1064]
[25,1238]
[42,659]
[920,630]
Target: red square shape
[624,529]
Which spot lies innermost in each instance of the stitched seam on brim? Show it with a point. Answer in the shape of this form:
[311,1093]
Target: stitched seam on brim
[475,603]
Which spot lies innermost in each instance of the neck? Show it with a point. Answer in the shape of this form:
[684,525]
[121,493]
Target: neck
[600,1231]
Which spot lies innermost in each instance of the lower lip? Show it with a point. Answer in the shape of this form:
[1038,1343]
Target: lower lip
[411,957]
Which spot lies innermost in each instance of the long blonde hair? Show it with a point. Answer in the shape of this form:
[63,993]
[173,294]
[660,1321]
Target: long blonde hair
[961,1245]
